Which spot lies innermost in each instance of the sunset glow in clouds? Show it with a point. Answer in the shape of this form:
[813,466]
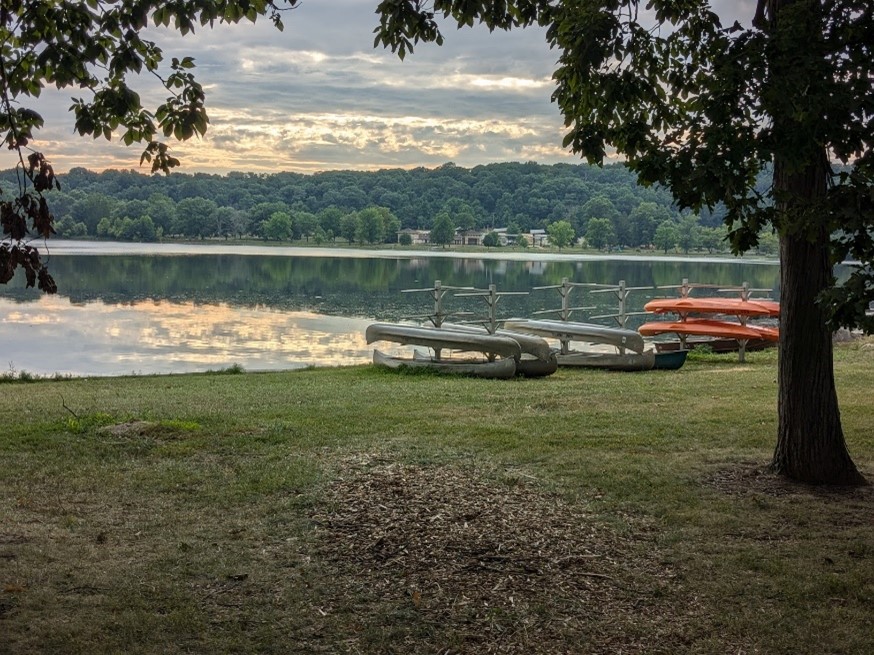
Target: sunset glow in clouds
[318,96]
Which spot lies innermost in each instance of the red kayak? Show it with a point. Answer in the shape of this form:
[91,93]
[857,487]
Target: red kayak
[730,306]
[708,328]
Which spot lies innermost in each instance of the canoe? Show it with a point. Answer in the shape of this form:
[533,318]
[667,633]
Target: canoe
[409,335]
[611,361]
[670,361]
[714,344]
[705,327]
[572,331]
[534,367]
[500,369]
[730,306]
[530,343]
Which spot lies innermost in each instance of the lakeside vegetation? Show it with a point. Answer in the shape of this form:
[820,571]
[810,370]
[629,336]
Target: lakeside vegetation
[354,510]
[603,206]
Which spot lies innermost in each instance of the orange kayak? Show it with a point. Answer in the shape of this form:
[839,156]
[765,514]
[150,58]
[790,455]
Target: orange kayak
[731,306]
[708,328]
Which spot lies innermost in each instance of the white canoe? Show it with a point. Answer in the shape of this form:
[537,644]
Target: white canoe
[572,331]
[501,369]
[410,335]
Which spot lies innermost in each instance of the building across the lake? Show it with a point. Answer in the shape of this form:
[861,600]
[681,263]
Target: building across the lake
[537,238]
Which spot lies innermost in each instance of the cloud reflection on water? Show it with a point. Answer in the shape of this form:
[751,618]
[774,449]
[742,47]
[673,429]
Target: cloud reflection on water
[53,335]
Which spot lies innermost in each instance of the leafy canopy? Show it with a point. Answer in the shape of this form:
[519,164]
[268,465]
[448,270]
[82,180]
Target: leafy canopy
[95,46]
[703,108]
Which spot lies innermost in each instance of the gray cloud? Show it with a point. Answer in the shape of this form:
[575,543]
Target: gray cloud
[319,96]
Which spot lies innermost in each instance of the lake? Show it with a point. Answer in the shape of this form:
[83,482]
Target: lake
[168,308]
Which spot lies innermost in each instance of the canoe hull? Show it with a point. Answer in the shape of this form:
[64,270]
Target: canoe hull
[729,306]
[611,361]
[670,361]
[409,335]
[708,328]
[533,367]
[572,331]
[529,343]
[500,369]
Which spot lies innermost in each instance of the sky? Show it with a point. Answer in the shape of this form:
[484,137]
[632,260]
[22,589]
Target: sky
[318,96]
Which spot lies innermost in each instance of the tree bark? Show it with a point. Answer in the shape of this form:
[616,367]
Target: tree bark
[810,440]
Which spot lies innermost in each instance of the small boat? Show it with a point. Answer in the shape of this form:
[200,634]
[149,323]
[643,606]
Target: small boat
[729,306]
[534,367]
[670,360]
[438,339]
[712,343]
[538,358]
[630,361]
[531,344]
[710,328]
[566,331]
[501,369]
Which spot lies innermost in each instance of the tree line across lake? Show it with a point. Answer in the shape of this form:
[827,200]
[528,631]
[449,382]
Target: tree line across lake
[604,206]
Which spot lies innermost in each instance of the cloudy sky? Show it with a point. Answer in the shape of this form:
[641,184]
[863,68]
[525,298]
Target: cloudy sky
[318,96]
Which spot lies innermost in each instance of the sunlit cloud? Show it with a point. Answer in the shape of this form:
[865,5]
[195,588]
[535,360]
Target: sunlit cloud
[318,96]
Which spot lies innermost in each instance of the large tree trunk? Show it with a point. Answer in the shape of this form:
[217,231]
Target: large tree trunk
[810,440]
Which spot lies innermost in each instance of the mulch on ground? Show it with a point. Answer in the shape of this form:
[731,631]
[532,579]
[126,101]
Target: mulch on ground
[455,559]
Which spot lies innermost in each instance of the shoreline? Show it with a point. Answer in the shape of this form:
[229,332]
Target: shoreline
[62,247]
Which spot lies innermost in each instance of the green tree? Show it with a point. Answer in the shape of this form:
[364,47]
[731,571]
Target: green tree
[561,234]
[261,212]
[370,227]
[162,210]
[443,231]
[666,236]
[305,224]
[522,241]
[329,219]
[599,206]
[703,108]
[600,233]
[491,240]
[713,238]
[91,209]
[349,227]
[94,47]
[278,227]
[644,220]
[689,233]
[405,239]
[195,217]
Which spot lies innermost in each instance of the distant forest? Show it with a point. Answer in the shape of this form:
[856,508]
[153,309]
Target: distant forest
[604,206]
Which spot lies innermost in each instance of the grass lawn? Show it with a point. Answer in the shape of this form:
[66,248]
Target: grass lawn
[360,511]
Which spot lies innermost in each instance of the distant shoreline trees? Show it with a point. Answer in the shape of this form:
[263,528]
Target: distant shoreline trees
[369,207]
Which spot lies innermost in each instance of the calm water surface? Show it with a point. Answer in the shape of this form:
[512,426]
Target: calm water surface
[155,308]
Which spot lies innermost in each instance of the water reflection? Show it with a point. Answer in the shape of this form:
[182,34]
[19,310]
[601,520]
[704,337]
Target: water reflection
[52,335]
[160,312]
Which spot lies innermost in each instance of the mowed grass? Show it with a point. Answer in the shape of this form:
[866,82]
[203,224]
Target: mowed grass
[188,513]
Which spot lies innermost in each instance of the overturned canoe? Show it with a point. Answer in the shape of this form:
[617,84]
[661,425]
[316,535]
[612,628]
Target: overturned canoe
[728,306]
[572,331]
[630,361]
[531,344]
[500,369]
[670,360]
[439,339]
[710,328]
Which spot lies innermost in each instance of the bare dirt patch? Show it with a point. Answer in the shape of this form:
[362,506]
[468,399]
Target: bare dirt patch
[746,478]
[459,560]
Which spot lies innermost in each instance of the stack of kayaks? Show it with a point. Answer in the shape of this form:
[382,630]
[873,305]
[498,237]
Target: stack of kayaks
[701,317]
